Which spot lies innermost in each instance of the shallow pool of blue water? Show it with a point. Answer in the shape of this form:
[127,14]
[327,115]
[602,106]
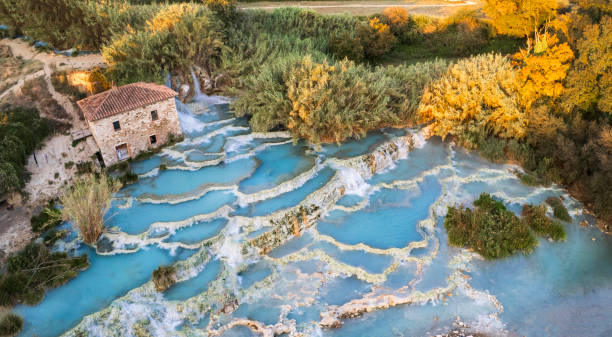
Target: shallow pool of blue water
[376,257]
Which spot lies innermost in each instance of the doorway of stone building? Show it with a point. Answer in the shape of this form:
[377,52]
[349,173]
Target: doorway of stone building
[122,152]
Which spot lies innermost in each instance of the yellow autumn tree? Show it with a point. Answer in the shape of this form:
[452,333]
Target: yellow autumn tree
[169,16]
[477,98]
[397,15]
[543,68]
[332,102]
[376,38]
[306,81]
[589,82]
[519,17]
[403,26]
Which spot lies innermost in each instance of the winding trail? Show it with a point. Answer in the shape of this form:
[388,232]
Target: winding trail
[51,61]
[51,171]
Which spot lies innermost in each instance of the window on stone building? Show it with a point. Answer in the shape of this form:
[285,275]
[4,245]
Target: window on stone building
[154,115]
[153,139]
[116,125]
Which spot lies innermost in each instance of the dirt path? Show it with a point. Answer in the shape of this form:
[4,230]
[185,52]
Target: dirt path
[55,162]
[52,61]
[17,86]
[432,8]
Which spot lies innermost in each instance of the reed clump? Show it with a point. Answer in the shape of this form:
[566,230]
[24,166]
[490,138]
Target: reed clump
[87,202]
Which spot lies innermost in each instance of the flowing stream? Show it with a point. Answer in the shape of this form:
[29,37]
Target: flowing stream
[270,237]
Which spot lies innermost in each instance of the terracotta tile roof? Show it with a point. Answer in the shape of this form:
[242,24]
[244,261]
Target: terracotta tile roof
[122,99]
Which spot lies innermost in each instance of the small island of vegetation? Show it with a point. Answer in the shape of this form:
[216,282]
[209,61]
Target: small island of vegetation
[493,231]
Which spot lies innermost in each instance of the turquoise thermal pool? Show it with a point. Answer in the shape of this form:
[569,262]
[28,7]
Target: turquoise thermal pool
[271,237]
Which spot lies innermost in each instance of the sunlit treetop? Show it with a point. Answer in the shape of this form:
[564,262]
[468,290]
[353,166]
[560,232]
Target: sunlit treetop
[519,17]
[397,15]
[168,17]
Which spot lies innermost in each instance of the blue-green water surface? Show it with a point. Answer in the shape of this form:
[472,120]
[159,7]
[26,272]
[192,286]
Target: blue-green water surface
[378,249]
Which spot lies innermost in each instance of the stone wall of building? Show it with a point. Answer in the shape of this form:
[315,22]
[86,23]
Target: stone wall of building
[136,128]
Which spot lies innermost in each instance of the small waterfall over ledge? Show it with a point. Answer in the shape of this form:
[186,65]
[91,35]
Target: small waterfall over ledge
[296,240]
[202,98]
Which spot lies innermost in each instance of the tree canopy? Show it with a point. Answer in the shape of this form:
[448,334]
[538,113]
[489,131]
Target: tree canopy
[519,17]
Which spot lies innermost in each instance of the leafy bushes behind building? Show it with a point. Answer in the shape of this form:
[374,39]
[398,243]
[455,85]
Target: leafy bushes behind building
[329,102]
[179,37]
[85,24]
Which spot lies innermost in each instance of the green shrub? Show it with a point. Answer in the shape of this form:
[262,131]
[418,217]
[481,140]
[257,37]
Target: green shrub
[128,178]
[303,23]
[47,219]
[33,270]
[86,24]
[53,235]
[403,25]
[559,210]
[21,131]
[528,178]
[492,148]
[351,100]
[376,38]
[179,37]
[10,324]
[346,45]
[164,277]
[85,168]
[223,9]
[535,217]
[489,229]
[462,33]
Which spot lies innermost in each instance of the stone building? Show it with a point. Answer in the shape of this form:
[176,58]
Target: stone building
[128,120]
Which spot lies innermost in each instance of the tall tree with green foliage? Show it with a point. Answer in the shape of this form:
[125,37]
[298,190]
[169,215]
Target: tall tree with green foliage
[589,82]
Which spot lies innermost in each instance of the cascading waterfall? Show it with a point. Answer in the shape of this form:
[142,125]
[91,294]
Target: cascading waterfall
[271,238]
[202,98]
